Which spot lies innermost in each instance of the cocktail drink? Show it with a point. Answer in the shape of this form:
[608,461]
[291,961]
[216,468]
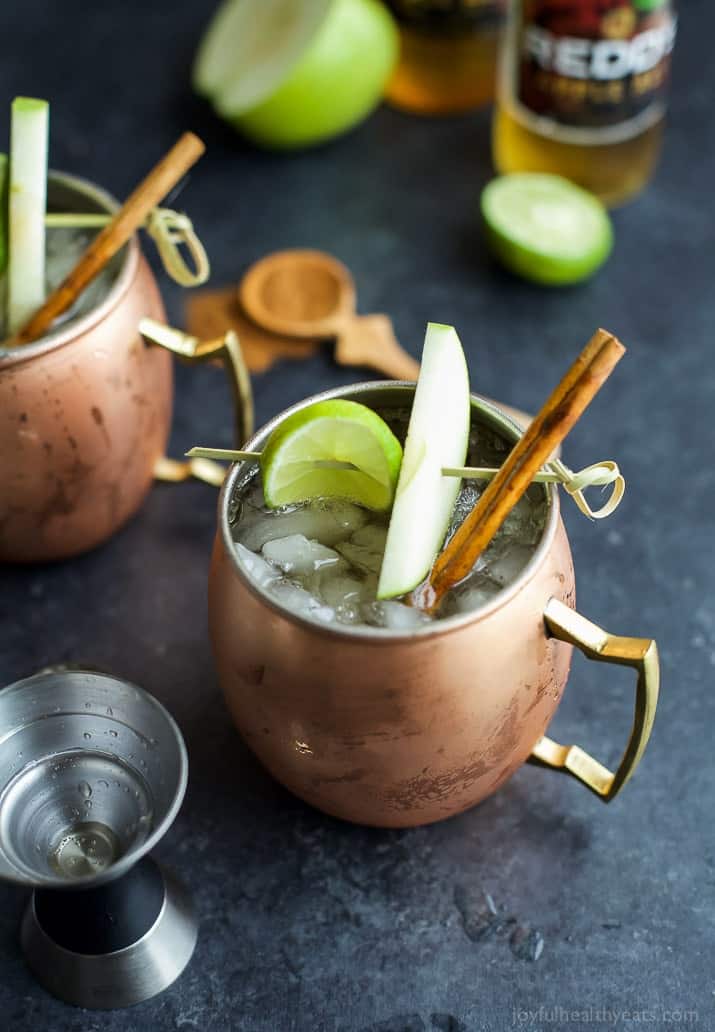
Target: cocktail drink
[86,407]
[321,559]
[85,400]
[357,694]
[65,245]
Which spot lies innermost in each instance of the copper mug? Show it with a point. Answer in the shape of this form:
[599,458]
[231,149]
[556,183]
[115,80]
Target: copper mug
[401,730]
[85,411]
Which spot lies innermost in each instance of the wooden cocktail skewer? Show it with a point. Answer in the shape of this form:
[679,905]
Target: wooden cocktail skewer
[123,225]
[598,474]
[563,408]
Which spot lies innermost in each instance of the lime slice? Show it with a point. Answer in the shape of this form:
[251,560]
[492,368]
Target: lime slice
[300,460]
[249,48]
[545,228]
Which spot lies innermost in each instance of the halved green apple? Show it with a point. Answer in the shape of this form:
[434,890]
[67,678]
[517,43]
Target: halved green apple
[248,48]
[292,73]
[437,436]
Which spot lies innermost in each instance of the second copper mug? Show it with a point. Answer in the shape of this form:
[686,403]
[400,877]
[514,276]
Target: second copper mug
[396,729]
[85,411]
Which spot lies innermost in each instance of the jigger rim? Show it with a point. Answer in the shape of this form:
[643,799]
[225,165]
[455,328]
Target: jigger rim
[30,879]
[239,473]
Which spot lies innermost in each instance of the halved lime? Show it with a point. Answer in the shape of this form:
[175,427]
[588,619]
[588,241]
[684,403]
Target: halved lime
[301,458]
[545,228]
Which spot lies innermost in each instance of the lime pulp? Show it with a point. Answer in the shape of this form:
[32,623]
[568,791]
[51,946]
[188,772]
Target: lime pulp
[332,449]
[545,228]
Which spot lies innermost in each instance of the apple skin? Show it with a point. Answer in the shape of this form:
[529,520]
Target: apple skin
[437,436]
[336,83]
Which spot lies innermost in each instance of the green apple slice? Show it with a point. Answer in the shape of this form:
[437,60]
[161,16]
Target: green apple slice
[438,436]
[26,209]
[249,48]
[4,182]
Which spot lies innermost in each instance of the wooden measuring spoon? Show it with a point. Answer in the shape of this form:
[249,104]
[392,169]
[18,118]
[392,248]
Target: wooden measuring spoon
[311,295]
[209,313]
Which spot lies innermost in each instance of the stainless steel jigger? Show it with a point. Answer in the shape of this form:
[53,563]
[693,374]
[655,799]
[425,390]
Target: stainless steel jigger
[93,771]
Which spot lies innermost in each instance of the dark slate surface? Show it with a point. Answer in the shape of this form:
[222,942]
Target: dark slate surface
[307,923]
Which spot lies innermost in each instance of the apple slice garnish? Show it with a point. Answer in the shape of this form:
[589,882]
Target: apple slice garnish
[437,437]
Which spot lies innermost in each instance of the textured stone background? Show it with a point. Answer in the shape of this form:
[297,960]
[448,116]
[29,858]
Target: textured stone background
[541,897]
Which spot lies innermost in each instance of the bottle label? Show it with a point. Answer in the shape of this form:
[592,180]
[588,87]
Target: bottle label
[588,71]
[445,17]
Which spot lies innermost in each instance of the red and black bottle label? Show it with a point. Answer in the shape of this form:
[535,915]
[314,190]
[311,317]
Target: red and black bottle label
[588,71]
[444,17]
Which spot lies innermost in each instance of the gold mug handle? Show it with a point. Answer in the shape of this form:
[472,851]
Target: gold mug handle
[192,350]
[640,653]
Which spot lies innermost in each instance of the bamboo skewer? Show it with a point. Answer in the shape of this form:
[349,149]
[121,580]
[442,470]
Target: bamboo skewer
[162,178]
[598,474]
[559,414]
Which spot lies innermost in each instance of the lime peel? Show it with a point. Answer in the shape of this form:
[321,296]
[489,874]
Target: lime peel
[545,228]
[298,461]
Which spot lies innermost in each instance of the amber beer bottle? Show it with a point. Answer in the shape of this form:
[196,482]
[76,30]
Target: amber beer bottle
[448,54]
[581,92]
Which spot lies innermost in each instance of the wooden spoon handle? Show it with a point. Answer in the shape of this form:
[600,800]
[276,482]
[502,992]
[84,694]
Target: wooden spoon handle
[369,340]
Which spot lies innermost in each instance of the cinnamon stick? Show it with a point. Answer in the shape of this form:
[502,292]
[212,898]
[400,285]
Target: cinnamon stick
[563,408]
[162,178]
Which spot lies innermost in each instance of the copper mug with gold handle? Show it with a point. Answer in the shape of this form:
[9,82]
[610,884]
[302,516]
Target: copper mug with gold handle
[85,411]
[399,730]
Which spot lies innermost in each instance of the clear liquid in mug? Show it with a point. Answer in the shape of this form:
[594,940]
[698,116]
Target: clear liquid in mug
[321,559]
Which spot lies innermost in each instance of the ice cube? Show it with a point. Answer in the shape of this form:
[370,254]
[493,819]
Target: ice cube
[395,616]
[349,613]
[296,554]
[300,601]
[506,566]
[366,547]
[524,523]
[258,569]
[466,500]
[471,594]
[246,503]
[254,495]
[369,587]
[340,590]
[326,522]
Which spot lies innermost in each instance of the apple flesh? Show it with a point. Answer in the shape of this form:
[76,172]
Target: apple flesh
[335,83]
[437,436]
[249,48]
